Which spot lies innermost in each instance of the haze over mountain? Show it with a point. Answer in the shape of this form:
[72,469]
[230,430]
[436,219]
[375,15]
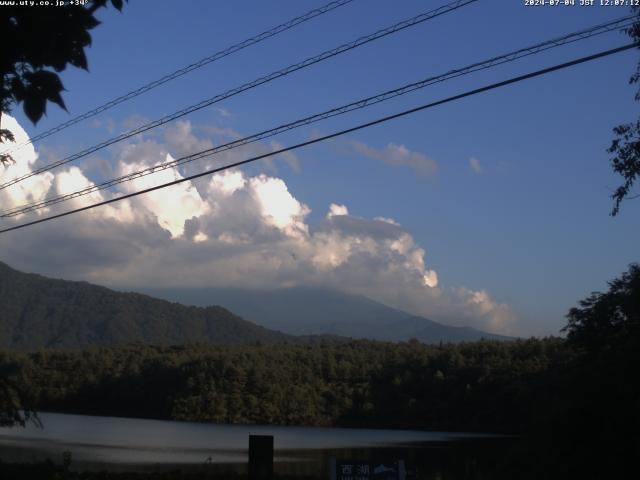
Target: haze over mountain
[38,312]
[314,311]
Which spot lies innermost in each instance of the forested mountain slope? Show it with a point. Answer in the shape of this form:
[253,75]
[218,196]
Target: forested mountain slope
[38,312]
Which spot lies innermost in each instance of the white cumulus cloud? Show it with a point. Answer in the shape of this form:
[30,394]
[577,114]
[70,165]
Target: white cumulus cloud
[234,229]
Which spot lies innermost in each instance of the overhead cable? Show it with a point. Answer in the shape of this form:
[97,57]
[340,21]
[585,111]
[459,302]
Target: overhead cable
[189,68]
[378,121]
[418,19]
[372,100]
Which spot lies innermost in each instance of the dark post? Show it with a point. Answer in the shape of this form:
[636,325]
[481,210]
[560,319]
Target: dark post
[260,457]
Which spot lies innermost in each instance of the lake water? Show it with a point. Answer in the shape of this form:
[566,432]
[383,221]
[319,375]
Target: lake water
[127,443]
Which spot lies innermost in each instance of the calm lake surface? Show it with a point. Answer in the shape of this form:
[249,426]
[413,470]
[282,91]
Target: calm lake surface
[127,443]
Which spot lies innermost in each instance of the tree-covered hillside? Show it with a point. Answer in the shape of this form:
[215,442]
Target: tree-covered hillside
[38,312]
[487,385]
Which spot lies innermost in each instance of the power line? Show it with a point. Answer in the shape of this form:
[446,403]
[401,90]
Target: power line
[469,93]
[490,63]
[189,68]
[423,17]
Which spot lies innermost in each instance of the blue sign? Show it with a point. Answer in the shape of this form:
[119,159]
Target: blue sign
[366,470]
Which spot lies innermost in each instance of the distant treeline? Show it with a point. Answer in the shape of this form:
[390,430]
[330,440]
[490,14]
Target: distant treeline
[486,385]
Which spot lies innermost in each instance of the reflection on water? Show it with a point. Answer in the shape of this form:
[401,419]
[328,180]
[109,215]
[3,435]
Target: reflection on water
[124,443]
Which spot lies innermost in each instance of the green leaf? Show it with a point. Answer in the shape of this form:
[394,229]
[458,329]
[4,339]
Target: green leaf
[6,135]
[117,4]
[79,60]
[18,89]
[34,107]
[56,98]
[47,85]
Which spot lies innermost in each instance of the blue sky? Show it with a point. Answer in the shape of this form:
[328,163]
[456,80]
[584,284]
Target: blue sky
[531,227]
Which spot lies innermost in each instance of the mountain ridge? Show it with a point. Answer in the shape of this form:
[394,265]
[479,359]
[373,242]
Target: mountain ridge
[316,311]
[40,312]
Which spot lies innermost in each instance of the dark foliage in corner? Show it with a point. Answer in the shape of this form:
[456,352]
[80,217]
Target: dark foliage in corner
[40,43]
[14,406]
[604,393]
[610,320]
[626,146]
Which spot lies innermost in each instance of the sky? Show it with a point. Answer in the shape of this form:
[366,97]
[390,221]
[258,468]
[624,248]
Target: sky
[492,211]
